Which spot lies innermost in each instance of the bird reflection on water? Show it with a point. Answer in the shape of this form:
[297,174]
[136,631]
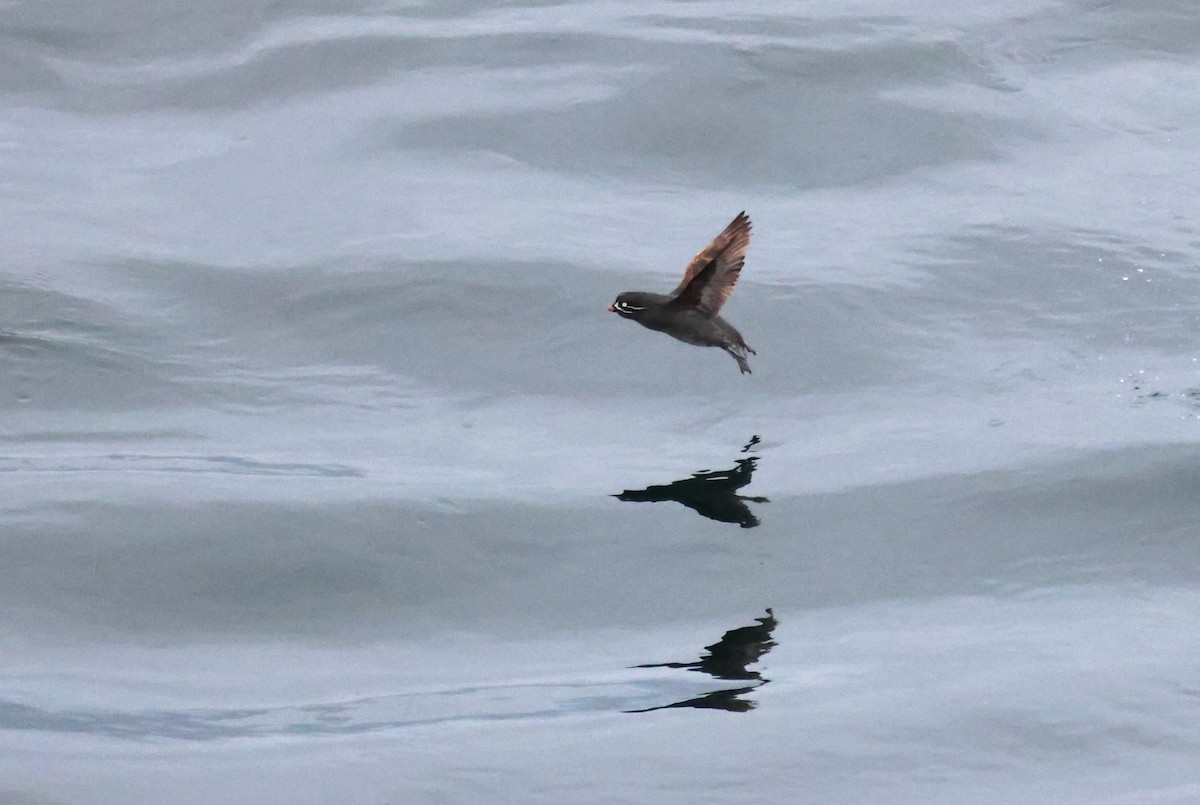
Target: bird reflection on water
[708,493]
[728,658]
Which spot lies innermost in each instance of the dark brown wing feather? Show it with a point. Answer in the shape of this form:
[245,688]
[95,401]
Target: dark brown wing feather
[711,275]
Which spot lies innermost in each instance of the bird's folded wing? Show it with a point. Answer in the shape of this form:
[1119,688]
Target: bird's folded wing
[711,275]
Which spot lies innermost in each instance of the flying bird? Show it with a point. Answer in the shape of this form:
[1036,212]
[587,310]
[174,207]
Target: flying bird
[689,312]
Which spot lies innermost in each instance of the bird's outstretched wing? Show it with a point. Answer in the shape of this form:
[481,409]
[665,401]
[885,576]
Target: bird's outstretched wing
[711,275]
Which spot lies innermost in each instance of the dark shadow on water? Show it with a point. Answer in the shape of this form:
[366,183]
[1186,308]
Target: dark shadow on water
[728,658]
[712,494]
[717,700]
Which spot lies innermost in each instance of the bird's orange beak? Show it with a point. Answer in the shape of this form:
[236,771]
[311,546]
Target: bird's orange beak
[612,309]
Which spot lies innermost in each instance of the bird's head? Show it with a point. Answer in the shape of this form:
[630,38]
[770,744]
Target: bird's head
[629,305]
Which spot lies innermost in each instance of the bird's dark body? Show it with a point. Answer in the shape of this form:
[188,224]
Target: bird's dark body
[690,314]
[689,326]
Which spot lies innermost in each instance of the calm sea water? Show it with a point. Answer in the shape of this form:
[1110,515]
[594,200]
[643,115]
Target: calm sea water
[326,477]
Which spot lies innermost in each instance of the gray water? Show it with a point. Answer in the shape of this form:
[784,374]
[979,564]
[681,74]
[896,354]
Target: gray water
[326,477]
